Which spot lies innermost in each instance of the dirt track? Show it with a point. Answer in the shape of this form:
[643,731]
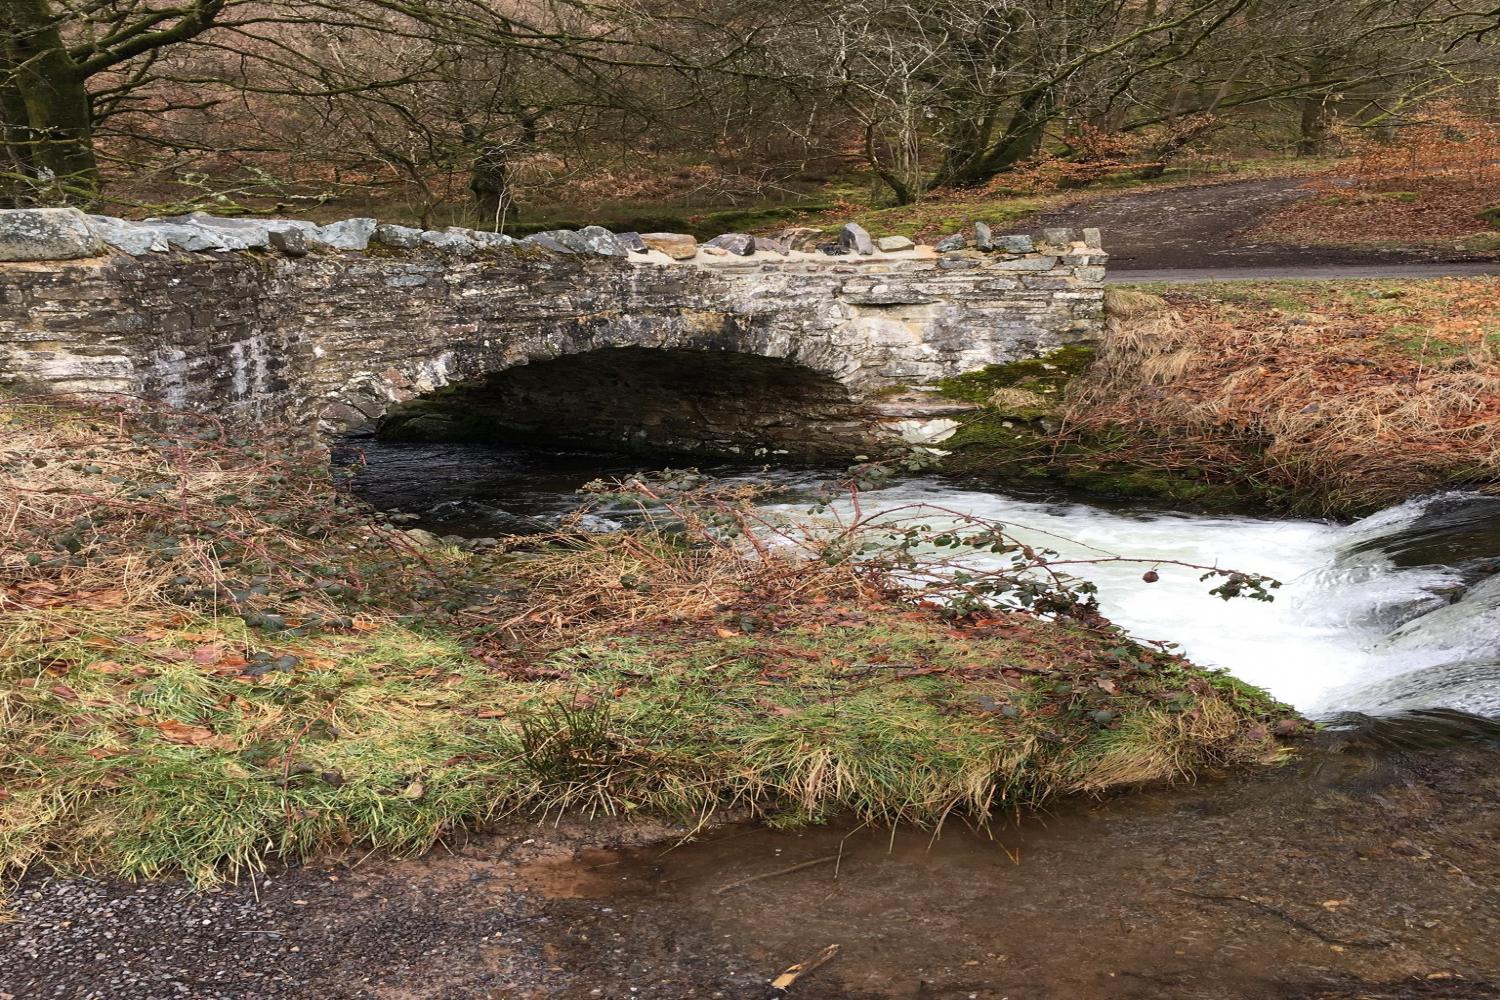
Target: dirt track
[1202,231]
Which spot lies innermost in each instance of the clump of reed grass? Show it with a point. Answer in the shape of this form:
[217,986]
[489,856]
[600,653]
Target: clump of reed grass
[1320,394]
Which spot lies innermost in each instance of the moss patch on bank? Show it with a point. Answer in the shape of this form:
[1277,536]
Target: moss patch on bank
[210,658]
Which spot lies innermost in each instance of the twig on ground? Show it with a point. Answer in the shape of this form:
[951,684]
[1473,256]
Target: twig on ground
[1281,914]
[784,982]
[780,871]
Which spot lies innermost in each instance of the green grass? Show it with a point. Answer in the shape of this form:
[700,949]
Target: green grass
[131,754]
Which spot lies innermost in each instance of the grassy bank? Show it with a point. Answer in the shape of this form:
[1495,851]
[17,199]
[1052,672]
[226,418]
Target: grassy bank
[211,658]
[1335,397]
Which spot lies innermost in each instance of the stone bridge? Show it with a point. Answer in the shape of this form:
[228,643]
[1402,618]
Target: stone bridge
[741,345]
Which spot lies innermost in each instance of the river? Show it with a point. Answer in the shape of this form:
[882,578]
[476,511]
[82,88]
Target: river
[1395,613]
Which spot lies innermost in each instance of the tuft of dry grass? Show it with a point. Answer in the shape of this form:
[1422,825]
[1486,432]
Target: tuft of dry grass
[1339,396]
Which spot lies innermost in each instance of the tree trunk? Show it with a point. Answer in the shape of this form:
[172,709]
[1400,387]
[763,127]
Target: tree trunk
[1311,126]
[57,129]
[489,181]
[899,188]
[15,153]
[1021,140]
[1312,121]
[965,150]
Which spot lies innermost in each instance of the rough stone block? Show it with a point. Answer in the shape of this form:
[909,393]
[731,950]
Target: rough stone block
[770,244]
[450,241]
[47,234]
[739,244]
[854,237]
[127,237]
[633,242]
[894,244]
[550,241]
[351,234]
[290,242]
[983,239]
[188,237]
[1015,244]
[678,246]
[1026,264]
[398,237]
[601,241]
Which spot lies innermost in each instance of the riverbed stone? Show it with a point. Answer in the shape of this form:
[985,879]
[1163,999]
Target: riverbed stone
[983,238]
[47,234]
[894,244]
[1015,244]
[950,243]
[1058,237]
[678,246]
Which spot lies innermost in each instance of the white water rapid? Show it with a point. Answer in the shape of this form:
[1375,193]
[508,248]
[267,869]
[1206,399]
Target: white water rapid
[1360,624]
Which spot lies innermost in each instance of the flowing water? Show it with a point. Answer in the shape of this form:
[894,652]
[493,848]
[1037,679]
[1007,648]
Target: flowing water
[1398,612]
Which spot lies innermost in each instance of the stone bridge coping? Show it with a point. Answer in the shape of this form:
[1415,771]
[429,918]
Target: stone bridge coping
[56,234]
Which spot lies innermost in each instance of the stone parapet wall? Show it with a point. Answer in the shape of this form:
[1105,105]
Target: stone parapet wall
[300,329]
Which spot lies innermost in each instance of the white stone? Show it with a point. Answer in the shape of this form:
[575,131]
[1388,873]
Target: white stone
[128,237]
[351,234]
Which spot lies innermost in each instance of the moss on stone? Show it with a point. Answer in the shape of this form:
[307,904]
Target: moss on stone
[1046,375]
[1014,439]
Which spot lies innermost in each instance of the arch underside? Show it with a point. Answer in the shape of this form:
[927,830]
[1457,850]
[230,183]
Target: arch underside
[650,400]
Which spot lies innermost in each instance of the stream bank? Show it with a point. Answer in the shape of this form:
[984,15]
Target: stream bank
[1329,399]
[1367,872]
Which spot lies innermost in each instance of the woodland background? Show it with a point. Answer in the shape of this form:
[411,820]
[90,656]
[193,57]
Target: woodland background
[515,114]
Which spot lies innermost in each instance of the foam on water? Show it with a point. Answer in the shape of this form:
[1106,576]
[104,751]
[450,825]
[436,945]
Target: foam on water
[1349,630]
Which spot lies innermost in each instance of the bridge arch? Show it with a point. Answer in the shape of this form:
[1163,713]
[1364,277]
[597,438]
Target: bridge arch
[652,399]
[697,358]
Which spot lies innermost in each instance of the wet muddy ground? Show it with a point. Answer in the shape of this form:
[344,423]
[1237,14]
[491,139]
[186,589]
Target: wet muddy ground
[1358,873]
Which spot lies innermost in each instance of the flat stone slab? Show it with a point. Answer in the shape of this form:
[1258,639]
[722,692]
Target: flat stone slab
[47,234]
